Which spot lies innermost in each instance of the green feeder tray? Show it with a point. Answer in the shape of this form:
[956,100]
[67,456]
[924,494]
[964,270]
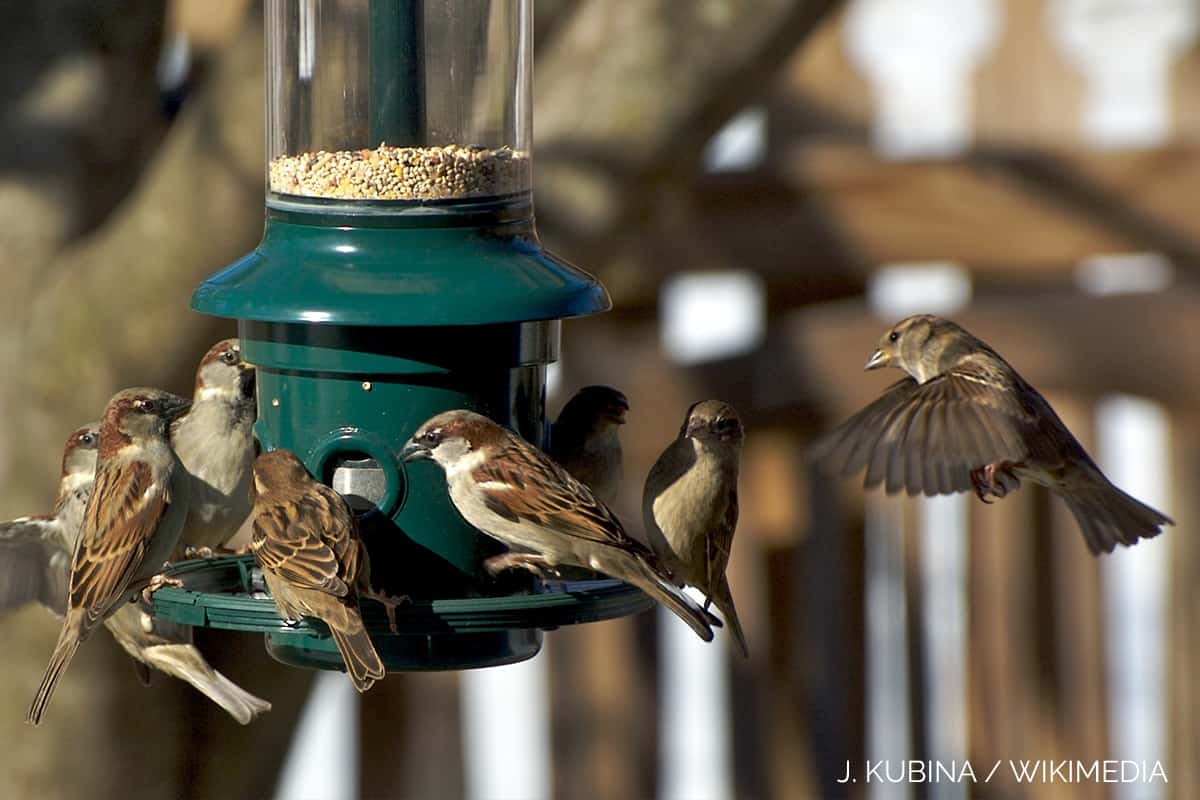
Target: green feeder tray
[450,634]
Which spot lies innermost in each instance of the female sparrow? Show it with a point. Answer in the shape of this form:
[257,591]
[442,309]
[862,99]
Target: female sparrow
[511,491]
[964,419]
[306,540]
[131,523]
[690,505]
[584,441]
[215,443]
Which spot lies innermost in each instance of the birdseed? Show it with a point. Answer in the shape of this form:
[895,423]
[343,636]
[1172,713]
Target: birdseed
[402,173]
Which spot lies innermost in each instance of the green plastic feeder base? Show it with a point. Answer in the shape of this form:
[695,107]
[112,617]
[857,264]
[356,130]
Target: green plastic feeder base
[452,634]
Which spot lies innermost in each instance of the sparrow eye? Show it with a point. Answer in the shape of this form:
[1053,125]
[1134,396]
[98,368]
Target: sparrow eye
[230,356]
[893,336]
[431,437]
[145,406]
[88,439]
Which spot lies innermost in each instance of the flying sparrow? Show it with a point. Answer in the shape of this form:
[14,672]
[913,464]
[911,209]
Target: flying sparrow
[690,505]
[511,491]
[306,540]
[584,441]
[131,523]
[215,443]
[964,419]
[35,552]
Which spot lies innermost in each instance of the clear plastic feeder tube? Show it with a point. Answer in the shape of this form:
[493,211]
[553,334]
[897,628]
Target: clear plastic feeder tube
[397,100]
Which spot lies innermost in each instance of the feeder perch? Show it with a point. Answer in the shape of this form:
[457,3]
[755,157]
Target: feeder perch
[399,275]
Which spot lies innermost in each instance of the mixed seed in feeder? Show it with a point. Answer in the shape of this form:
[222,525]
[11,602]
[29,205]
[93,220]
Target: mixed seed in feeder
[402,173]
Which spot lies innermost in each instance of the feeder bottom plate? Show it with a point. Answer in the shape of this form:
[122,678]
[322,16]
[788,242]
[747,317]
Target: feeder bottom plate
[413,652]
[448,634]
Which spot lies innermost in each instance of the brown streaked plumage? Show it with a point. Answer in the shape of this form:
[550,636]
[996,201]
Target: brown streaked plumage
[306,540]
[215,443]
[964,419]
[584,440]
[37,551]
[690,505]
[513,492]
[130,525]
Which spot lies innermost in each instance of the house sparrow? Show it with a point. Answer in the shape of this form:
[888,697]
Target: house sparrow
[167,646]
[215,443]
[690,505]
[584,441]
[130,525]
[35,552]
[306,540]
[35,564]
[964,419]
[511,491]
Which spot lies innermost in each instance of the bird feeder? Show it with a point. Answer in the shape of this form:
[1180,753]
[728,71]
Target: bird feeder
[399,275]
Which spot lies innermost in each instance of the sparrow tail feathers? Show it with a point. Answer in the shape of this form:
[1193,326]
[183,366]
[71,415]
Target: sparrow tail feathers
[362,662]
[1108,517]
[64,651]
[723,599]
[185,662]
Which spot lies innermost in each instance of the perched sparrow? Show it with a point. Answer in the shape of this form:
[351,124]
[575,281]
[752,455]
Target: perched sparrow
[35,552]
[511,491]
[964,419]
[690,505]
[131,523]
[215,443]
[167,646]
[584,441]
[35,564]
[306,540]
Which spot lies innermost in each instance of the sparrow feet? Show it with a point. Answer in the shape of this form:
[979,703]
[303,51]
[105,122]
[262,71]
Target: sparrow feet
[390,603]
[198,552]
[157,582]
[536,564]
[995,480]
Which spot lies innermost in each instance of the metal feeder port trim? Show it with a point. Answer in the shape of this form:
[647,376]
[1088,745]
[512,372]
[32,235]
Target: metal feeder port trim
[229,593]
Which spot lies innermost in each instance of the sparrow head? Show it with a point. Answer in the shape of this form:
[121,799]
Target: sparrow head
[138,414]
[278,469]
[80,451]
[594,407]
[924,346]
[451,436]
[715,421]
[224,374]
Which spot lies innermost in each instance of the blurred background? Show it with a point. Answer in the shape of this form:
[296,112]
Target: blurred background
[764,186]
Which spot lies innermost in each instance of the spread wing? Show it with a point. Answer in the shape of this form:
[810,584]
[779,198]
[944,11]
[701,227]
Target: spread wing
[310,541]
[35,564]
[121,517]
[522,485]
[930,437]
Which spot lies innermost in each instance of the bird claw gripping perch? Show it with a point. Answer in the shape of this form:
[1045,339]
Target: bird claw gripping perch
[157,582]
[390,603]
[995,480]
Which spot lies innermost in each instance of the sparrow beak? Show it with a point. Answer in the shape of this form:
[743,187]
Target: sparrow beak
[878,359]
[175,409]
[414,452]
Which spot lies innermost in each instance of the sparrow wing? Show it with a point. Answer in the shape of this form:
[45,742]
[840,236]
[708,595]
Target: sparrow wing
[930,437]
[121,517]
[719,540]
[522,485]
[307,541]
[35,564]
